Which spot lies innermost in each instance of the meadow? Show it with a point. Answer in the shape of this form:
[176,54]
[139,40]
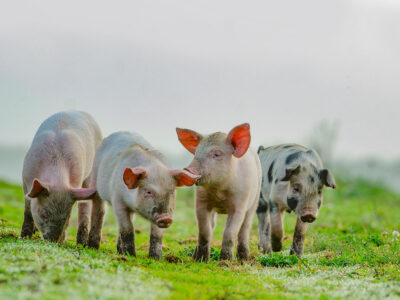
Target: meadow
[352,251]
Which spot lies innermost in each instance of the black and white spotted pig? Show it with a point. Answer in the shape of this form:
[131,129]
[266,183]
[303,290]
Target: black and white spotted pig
[293,178]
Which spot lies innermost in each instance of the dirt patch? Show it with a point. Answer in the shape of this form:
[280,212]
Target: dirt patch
[173,259]
[8,234]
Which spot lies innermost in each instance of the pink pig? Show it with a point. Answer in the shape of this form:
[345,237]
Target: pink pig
[229,184]
[56,173]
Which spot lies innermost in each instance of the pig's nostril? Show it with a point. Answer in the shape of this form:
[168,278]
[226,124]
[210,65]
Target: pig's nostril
[164,222]
[308,218]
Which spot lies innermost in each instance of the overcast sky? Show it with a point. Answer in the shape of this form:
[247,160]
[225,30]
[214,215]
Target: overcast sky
[282,66]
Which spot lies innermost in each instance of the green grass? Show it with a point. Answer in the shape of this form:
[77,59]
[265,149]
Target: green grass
[350,252]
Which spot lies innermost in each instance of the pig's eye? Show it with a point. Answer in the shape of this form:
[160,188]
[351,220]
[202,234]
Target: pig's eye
[297,188]
[44,214]
[319,192]
[148,193]
[216,154]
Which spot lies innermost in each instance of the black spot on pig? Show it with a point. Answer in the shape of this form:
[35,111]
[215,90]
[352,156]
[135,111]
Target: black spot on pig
[292,202]
[292,157]
[262,206]
[270,170]
[273,207]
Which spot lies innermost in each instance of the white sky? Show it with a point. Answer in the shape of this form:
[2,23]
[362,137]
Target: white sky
[150,66]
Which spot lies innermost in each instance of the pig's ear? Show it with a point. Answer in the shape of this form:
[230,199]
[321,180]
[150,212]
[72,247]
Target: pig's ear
[37,189]
[239,137]
[83,193]
[291,172]
[184,177]
[327,178]
[132,176]
[189,139]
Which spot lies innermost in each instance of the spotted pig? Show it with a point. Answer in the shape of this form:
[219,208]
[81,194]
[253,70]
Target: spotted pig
[293,178]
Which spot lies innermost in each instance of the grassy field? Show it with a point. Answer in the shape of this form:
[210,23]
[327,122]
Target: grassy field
[351,252]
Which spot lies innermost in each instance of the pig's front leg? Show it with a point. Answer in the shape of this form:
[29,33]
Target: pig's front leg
[276,229]
[298,238]
[126,233]
[156,236]
[97,219]
[82,235]
[204,222]
[233,224]
[28,226]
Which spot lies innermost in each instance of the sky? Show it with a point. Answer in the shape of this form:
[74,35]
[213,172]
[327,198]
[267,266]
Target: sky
[151,66]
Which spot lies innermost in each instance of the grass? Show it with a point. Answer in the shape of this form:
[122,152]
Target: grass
[350,252]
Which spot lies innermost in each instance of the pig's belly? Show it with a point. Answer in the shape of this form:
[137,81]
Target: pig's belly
[219,206]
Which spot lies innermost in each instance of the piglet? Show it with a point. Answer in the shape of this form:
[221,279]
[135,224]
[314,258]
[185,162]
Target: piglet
[293,179]
[135,178]
[56,173]
[229,184]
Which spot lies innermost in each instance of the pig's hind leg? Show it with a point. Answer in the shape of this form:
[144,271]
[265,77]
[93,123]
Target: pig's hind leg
[264,225]
[84,208]
[243,251]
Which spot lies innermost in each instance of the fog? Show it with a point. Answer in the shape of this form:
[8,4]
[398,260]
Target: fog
[282,66]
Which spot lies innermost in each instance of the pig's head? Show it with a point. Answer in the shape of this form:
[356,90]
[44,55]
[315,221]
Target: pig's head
[214,153]
[155,191]
[51,208]
[305,183]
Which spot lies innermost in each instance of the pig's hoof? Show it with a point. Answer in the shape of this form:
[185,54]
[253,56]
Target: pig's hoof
[93,244]
[126,250]
[243,252]
[226,255]
[155,255]
[297,253]
[201,253]
[26,234]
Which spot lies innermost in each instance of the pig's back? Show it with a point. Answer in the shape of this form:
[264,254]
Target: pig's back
[68,139]
[275,159]
[111,154]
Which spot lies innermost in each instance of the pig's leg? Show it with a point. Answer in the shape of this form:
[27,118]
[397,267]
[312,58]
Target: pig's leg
[214,216]
[233,224]
[82,235]
[298,238]
[156,236]
[97,219]
[126,233]
[243,251]
[276,229]
[264,225]
[204,222]
[28,226]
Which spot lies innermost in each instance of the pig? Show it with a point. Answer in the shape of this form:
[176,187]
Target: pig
[135,178]
[293,178]
[229,184]
[56,173]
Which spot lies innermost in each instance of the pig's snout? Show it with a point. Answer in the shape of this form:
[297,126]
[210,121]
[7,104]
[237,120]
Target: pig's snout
[191,170]
[308,217]
[164,221]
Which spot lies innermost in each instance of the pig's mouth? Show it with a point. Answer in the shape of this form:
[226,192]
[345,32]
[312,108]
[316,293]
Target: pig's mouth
[164,221]
[193,173]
